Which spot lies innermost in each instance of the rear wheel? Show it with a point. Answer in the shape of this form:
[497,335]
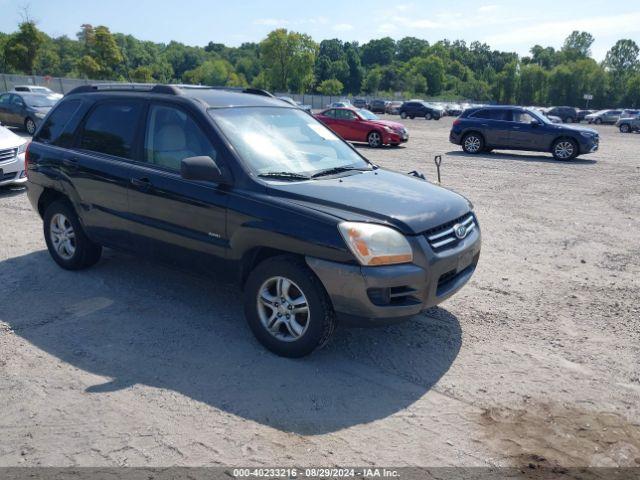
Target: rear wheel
[374,139]
[287,307]
[597,121]
[428,116]
[473,143]
[569,120]
[625,128]
[564,149]
[66,240]
[403,115]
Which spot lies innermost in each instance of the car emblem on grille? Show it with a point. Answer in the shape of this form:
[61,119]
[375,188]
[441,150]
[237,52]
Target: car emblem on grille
[460,231]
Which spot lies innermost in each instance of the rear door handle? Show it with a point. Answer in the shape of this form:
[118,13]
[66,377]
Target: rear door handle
[142,183]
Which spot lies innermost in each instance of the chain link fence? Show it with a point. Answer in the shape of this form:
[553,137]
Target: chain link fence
[64,85]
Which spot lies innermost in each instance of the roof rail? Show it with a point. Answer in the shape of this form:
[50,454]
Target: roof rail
[166,89]
[126,87]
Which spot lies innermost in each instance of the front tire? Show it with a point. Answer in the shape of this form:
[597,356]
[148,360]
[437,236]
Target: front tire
[403,115]
[66,241]
[564,149]
[374,139]
[428,116]
[625,128]
[287,308]
[597,121]
[473,143]
[30,126]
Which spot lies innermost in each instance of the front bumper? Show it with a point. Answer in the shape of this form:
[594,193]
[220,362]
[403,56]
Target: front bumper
[371,296]
[12,171]
[395,137]
[590,145]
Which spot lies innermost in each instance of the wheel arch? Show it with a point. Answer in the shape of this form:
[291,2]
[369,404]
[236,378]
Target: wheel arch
[48,196]
[256,255]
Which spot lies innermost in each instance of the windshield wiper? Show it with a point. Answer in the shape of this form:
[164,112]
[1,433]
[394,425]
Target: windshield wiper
[334,170]
[285,175]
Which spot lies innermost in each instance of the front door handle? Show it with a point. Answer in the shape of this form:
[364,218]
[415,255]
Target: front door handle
[141,183]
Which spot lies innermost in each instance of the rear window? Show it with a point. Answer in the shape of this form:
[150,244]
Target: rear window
[53,130]
[110,128]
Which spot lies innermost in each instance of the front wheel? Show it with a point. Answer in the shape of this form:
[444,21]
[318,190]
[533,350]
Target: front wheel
[564,149]
[624,128]
[597,121]
[66,241]
[472,143]
[403,115]
[30,126]
[374,139]
[287,307]
[428,116]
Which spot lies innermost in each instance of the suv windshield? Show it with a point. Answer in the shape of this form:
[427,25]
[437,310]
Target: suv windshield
[40,101]
[273,139]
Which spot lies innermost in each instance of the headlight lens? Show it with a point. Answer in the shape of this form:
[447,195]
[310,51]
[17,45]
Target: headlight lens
[22,148]
[374,244]
[388,129]
[587,134]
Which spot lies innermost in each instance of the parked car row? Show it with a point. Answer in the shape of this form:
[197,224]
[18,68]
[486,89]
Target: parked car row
[26,108]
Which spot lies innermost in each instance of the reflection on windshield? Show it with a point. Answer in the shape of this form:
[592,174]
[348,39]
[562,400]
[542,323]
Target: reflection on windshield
[272,139]
[367,115]
[40,101]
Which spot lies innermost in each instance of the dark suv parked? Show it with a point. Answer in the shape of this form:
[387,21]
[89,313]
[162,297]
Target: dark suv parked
[515,128]
[566,114]
[243,184]
[413,109]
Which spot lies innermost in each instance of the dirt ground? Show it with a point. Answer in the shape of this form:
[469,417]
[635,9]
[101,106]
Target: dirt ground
[535,362]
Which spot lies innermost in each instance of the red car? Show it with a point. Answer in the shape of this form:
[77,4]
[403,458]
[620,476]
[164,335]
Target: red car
[358,125]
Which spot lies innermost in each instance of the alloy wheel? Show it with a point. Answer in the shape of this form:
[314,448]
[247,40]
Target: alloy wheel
[62,236]
[374,139]
[564,150]
[624,128]
[31,126]
[283,309]
[472,144]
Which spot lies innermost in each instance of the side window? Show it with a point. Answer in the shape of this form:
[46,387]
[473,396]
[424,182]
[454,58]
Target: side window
[485,114]
[171,136]
[5,99]
[522,117]
[16,100]
[111,128]
[347,115]
[52,130]
[330,113]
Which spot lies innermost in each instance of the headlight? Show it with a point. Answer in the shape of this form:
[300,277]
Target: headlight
[587,134]
[388,129]
[22,148]
[374,244]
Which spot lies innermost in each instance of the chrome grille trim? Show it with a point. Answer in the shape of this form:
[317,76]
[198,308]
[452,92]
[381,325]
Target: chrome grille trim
[448,236]
[8,154]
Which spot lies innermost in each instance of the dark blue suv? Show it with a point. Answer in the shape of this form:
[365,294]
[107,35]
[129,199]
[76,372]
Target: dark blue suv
[484,129]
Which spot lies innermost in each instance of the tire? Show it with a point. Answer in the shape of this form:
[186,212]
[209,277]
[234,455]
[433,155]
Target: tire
[428,116]
[597,121]
[569,120]
[66,241]
[262,307]
[625,128]
[403,115]
[473,143]
[564,149]
[30,126]
[374,139]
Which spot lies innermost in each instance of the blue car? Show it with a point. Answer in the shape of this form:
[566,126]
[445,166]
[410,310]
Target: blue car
[484,129]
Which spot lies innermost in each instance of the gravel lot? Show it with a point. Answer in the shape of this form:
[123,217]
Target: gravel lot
[536,361]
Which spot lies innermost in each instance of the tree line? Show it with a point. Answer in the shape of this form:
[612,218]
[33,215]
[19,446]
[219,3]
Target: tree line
[291,61]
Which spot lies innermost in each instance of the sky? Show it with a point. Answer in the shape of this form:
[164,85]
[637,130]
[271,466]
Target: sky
[505,25]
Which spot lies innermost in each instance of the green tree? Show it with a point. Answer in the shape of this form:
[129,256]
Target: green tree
[532,88]
[212,72]
[410,47]
[142,74]
[371,81]
[632,96]
[21,48]
[330,87]
[623,58]
[289,59]
[378,52]
[577,45]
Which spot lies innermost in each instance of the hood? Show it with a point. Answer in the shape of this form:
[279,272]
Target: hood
[389,123]
[8,139]
[576,128]
[407,203]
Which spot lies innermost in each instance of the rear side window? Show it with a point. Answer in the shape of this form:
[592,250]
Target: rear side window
[493,114]
[111,127]
[53,131]
[330,113]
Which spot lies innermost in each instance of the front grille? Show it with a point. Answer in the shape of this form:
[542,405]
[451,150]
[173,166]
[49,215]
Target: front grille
[445,236]
[8,154]
[7,176]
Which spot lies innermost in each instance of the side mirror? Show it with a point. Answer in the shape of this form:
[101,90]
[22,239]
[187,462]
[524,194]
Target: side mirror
[200,168]
[535,123]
